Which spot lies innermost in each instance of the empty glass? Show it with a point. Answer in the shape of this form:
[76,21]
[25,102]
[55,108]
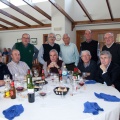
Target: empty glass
[36,74]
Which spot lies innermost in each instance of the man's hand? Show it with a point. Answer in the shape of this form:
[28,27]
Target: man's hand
[2,82]
[103,68]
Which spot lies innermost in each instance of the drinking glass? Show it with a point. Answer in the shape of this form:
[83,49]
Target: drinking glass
[42,93]
[19,88]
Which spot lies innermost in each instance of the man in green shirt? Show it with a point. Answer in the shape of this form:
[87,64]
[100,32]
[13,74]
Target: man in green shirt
[28,52]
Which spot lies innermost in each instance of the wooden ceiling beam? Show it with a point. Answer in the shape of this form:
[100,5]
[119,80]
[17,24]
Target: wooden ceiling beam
[96,21]
[14,18]
[109,8]
[37,9]
[9,23]
[61,10]
[84,9]
[3,26]
[25,27]
[21,11]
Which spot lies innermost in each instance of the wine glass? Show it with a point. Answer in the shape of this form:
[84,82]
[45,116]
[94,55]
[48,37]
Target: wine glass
[36,74]
[42,92]
[19,88]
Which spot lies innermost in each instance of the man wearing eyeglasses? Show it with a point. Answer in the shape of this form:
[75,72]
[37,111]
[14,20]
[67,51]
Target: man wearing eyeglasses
[112,47]
[43,55]
[28,52]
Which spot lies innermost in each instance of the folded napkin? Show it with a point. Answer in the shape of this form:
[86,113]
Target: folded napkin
[90,82]
[107,97]
[13,111]
[92,107]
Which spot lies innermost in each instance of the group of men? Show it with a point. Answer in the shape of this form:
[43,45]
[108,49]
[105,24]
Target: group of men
[53,56]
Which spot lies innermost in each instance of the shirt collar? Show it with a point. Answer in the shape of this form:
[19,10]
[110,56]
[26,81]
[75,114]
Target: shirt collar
[15,62]
[86,65]
[66,45]
[110,45]
[51,45]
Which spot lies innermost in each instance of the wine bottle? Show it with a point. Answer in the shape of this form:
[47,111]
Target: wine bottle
[30,87]
[43,75]
[12,91]
[60,75]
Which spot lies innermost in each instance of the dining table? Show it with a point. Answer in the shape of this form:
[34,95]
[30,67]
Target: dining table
[64,107]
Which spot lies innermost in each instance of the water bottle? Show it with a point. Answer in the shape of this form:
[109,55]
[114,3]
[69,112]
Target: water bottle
[64,74]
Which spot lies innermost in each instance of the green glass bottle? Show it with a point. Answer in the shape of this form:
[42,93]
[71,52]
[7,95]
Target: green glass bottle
[30,87]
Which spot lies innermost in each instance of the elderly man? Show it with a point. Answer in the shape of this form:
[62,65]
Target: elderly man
[87,65]
[28,51]
[112,47]
[17,67]
[54,64]
[108,72]
[43,55]
[3,71]
[69,53]
[91,45]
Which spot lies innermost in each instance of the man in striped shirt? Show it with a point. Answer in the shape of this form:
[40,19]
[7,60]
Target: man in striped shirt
[17,67]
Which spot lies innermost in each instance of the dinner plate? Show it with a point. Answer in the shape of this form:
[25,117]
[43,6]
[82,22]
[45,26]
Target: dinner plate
[59,91]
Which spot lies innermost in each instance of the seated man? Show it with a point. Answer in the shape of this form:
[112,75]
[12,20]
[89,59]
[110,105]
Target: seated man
[17,67]
[108,72]
[87,65]
[54,64]
[3,71]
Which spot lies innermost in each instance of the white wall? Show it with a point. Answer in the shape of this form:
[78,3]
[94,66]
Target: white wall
[9,38]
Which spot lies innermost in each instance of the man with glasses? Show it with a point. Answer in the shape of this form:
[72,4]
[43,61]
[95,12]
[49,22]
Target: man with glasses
[112,47]
[28,52]
[43,55]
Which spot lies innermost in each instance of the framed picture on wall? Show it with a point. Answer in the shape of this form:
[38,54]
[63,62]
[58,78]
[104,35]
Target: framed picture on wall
[33,41]
[19,40]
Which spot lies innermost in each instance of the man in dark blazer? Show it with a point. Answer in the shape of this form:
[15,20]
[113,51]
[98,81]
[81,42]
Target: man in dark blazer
[108,72]
[87,65]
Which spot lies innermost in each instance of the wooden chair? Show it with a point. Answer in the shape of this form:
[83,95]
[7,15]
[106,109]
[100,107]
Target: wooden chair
[37,65]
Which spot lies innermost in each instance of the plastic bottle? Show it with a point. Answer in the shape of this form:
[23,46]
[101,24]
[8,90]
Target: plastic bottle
[64,73]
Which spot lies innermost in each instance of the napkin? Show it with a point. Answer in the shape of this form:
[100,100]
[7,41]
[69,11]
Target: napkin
[107,97]
[13,111]
[90,82]
[92,107]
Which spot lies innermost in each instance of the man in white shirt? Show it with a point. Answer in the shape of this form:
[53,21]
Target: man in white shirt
[69,53]
[17,67]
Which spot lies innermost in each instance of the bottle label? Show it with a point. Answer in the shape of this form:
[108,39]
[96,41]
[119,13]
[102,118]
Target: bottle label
[30,90]
[11,93]
[43,77]
[64,73]
[74,77]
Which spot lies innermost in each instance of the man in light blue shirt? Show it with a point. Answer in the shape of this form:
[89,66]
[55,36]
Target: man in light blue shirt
[69,53]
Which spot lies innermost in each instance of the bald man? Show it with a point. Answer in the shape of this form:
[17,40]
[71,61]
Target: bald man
[90,45]
[16,66]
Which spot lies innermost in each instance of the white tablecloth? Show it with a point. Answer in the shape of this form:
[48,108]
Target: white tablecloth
[66,108]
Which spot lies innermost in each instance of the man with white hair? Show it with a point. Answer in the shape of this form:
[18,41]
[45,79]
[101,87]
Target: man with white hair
[108,72]
[69,53]
[54,64]
[91,45]
[112,47]
[87,65]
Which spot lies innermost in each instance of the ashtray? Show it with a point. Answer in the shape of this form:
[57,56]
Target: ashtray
[61,90]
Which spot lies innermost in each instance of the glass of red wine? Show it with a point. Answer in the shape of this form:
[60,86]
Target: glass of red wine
[43,93]
[19,88]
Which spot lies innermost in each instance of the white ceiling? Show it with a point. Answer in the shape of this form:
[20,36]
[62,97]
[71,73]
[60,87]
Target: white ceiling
[97,9]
